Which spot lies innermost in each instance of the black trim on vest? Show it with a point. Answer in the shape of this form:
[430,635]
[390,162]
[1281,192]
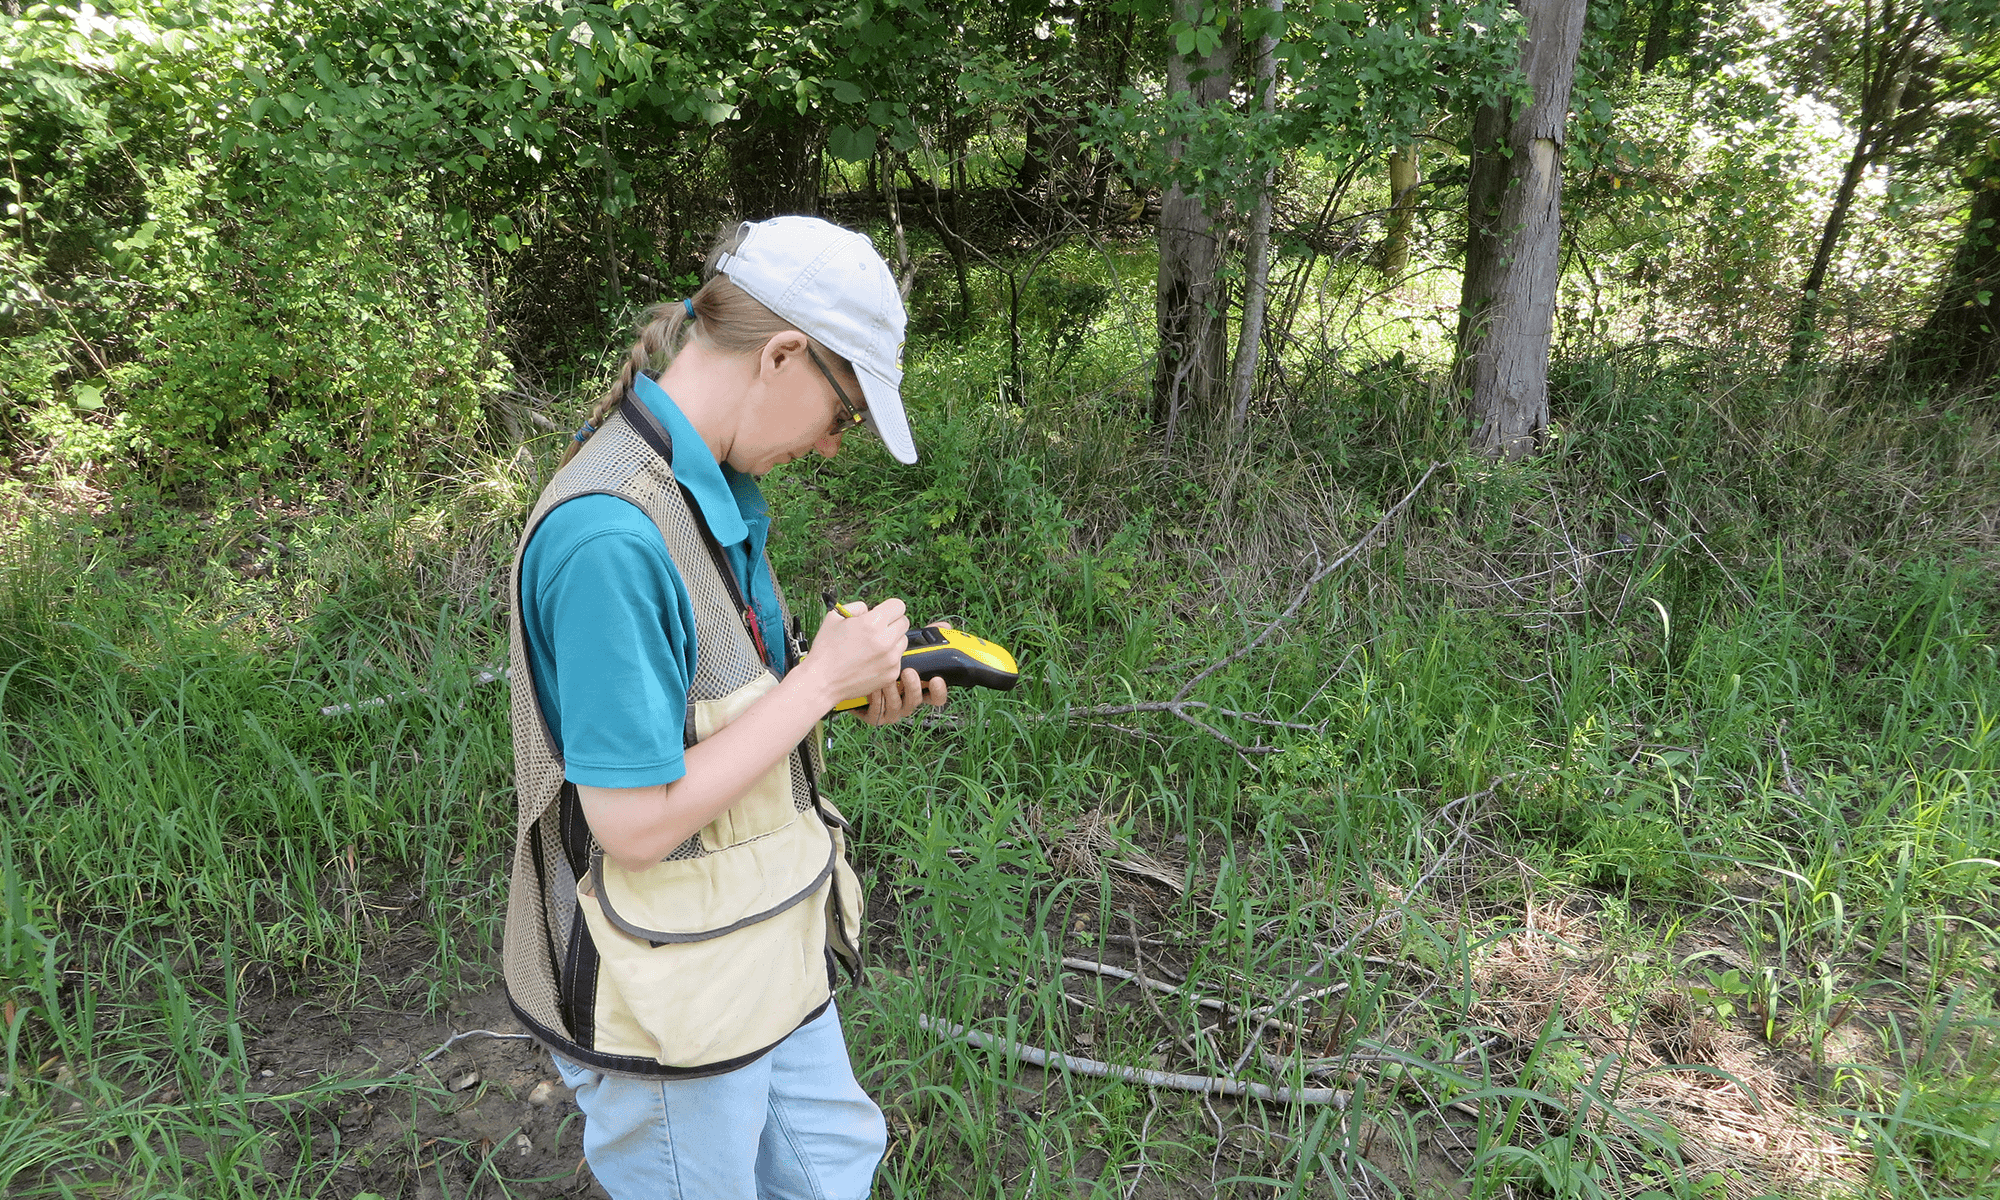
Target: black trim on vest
[648,427]
[623,1064]
[576,974]
[535,851]
[839,911]
[573,829]
[734,586]
[576,982]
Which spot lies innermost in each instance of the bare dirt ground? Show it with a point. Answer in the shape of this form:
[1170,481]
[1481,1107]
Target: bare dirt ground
[485,1112]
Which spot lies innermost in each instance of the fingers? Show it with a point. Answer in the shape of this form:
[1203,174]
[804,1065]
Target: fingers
[901,698]
[862,649]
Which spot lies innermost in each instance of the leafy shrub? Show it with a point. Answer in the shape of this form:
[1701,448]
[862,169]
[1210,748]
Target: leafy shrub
[188,313]
[334,329]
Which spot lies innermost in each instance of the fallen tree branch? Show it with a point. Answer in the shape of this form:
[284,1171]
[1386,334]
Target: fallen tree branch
[1177,707]
[449,1042]
[483,675]
[456,1038]
[1206,1085]
[1183,709]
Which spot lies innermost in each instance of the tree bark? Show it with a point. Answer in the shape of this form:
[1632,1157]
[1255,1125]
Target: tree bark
[1659,31]
[1512,253]
[1257,267]
[1188,378]
[933,213]
[774,163]
[1959,346]
[1403,179]
[1805,322]
[906,275]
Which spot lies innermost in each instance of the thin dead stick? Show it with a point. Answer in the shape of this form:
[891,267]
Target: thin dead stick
[449,1042]
[1323,1066]
[1152,1106]
[483,675]
[1332,989]
[1354,938]
[1299,600]
[1168,989]
[456,1038]
[1205,1085]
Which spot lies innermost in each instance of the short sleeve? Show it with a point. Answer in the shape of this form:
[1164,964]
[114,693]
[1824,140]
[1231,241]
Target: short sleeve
[611,642]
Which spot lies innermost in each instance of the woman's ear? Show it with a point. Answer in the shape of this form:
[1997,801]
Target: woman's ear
[782,350]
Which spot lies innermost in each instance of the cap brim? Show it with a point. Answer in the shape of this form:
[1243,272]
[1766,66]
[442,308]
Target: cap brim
[885,415]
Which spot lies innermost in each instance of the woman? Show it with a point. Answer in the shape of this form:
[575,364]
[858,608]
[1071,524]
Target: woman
[680,889]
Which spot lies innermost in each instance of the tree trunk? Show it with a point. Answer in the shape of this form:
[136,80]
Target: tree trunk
[933,213]
[1403,178]
[906,275]
[1257,268]
[1889,44]
[1659,31]
[1512,250]
[1805,324]
[1188,378]
[614,286]
[1959,346]
[774,163]
[1034,166]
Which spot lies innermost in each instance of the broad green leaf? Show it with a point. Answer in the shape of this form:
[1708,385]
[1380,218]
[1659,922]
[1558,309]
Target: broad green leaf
[849,144]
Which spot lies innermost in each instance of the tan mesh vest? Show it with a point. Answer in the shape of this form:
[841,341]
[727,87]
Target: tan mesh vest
[709,958]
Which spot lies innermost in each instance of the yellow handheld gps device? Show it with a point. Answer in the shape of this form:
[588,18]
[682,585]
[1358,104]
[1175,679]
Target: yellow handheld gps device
[957,657]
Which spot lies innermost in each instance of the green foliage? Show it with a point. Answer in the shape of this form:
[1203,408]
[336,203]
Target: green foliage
[338,330]
[1361,80]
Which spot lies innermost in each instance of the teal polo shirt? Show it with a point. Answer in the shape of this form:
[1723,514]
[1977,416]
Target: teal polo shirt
[610,628]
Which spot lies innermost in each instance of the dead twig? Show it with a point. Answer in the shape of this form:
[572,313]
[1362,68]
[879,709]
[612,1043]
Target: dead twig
[1183,709]
[1177,707]
[1304,592]
[1167,989]
[448,1043]
[1204,1085]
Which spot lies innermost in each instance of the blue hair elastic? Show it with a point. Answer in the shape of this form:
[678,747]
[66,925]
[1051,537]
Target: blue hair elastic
[689,302]
[585,432]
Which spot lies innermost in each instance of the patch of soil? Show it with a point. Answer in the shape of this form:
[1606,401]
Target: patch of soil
[488,1115]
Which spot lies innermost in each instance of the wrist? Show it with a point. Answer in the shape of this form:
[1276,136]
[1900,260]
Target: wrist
[814,684]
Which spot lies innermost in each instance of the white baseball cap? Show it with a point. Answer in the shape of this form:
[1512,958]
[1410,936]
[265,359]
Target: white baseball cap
[832,285]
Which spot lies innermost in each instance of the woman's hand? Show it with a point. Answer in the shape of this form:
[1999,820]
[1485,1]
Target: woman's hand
[903,697]
[860,654]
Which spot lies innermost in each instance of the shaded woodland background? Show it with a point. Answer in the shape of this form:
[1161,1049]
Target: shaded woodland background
[221,218]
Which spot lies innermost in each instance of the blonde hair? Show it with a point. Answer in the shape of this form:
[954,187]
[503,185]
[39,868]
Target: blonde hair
[724,317]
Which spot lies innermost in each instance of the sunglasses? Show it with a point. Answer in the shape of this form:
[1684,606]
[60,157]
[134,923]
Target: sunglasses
[852,416]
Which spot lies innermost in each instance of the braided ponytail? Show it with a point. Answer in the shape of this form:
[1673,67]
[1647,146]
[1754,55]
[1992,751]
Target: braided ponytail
[723,316]
[659,334]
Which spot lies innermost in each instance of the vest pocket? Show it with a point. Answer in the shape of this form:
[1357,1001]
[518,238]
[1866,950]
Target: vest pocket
[701,899]
[771,803]
[695,1004]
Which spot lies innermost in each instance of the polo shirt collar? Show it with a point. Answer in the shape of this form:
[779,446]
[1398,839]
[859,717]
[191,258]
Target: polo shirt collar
[695,467]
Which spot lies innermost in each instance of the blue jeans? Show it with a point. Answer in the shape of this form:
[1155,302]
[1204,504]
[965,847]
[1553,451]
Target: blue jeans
[794,1125]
